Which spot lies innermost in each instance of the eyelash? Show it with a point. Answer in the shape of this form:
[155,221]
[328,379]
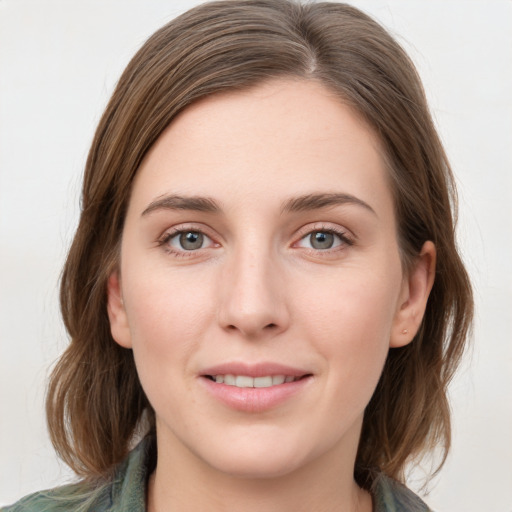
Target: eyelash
[342,235]
[169,235]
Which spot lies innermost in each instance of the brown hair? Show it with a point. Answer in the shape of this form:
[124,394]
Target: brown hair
[95,402]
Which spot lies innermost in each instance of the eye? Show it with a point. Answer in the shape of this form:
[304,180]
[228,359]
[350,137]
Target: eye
[323,240]
[187,240]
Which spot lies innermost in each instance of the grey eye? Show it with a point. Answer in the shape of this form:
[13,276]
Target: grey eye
[189,240]
[321,240]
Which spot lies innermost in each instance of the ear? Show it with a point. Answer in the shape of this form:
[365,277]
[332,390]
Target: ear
[116,312]
[413,297]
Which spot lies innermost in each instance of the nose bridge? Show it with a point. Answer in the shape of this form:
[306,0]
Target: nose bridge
[253,299]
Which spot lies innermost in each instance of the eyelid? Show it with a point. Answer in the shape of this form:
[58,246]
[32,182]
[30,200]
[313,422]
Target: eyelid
[346,237]
[172,232]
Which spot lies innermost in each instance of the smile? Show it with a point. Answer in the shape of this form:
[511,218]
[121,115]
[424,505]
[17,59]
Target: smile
[245,381]
[255,393]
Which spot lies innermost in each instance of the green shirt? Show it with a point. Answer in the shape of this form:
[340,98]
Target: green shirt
[127,492]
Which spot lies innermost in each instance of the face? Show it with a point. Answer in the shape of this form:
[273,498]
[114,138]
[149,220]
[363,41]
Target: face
[260,283]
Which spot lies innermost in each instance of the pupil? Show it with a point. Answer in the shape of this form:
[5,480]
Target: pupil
[322,240]
[191,240]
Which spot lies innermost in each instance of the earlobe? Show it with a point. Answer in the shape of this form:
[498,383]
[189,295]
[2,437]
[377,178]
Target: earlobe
[414,296]
[119,327]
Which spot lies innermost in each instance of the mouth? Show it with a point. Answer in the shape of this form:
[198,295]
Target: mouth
[255,388]
[246,381]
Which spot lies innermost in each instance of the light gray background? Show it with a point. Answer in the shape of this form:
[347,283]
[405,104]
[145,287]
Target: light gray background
[59,61]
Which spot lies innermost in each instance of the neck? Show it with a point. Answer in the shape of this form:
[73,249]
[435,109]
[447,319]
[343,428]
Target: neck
[326,484]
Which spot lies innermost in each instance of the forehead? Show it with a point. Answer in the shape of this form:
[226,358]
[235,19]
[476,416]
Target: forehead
[284,137]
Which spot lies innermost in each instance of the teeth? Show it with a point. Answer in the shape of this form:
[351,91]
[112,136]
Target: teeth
[262,382]
[229,380]
[278,379]
[244,381]
[241,381]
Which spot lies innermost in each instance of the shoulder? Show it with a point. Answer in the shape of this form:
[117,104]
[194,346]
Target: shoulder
[391,496]
[74,497]
[125,491]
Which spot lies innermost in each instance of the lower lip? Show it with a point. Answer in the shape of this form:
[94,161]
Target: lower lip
[255,400]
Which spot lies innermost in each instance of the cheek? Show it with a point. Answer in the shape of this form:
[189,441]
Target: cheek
[166,330]
[350,302]
[167,320]
[350,321]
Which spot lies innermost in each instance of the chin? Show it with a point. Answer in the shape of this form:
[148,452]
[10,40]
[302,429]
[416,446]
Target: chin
[253,458]
[257,467]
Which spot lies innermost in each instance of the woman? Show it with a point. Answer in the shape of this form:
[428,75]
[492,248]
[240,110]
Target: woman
[264,284]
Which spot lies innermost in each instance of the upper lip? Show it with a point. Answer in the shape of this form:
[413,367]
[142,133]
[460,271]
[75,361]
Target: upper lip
[254,369]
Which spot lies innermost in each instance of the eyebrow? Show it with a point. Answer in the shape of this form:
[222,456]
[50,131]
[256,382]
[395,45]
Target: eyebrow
[176,202]
[323,200]
[295,204]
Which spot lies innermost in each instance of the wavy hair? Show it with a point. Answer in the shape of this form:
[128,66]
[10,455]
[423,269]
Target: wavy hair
[95,403]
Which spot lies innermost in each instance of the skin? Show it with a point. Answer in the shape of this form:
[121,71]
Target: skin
[259,289]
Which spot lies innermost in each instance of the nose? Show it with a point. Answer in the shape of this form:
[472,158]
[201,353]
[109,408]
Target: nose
[253,296]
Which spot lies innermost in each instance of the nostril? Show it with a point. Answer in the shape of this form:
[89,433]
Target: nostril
[252,329]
